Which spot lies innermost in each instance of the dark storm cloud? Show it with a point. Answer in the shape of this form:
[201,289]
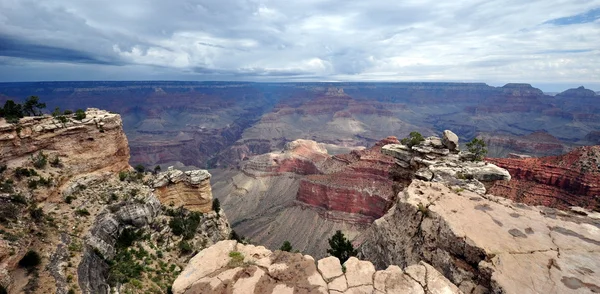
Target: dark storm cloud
[292,40]
[12,47]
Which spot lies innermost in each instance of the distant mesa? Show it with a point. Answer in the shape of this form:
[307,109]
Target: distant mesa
[577,92]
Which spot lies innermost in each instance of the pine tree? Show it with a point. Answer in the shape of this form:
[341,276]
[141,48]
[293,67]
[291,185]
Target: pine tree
[341,247]
[286,246]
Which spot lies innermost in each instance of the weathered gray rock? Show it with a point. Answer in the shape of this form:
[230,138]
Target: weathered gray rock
[173,176]
[450,140]
[484,243]
[424,174]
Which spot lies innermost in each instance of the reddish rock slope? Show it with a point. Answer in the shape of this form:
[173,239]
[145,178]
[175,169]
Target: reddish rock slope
[356,183]
[572,179]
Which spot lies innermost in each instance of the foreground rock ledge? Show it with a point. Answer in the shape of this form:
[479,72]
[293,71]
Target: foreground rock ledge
[231,267]
[487,243]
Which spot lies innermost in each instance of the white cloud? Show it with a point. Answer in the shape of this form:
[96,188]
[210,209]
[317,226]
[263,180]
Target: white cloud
[494,41]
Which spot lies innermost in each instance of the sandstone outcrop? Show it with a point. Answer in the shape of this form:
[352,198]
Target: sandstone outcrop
[96,143]
[231,267]
[484,243]
[190,189]
[572,179]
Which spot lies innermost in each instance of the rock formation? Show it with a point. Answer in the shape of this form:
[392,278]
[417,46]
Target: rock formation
[572,179]
[190,189]
[303,195]
[96,143]
[484,243]
[538,143]
[231,267]
[431,160]
[94,230]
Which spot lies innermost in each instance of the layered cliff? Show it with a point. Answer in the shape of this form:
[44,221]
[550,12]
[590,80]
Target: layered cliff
[357,184]
[189,189]
[485,244]
[69,221]
[572,179]
[95,143]
[230,267]
[303,195]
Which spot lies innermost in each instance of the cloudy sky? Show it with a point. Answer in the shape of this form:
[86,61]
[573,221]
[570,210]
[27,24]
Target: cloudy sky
[552,44]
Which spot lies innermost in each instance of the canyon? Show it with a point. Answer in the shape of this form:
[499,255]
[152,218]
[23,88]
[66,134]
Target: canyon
[296,162]
[219,124]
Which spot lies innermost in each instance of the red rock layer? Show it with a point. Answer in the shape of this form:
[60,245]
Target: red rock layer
[572,179]
[356,183]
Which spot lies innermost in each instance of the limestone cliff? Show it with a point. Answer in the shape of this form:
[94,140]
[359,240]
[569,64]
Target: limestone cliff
[94,144]
[486,243]
[230,267]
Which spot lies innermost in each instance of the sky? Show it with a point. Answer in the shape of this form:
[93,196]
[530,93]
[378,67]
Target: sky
[552,44]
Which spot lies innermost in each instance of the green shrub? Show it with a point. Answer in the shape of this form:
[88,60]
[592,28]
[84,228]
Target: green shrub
[236,259]
[36,213]
[79,114]
[185,225]
[68,112]
[477,147]
[128,236]
[18,198]
[30,259]
[55,162]
[69,199]
[24,172]
[184,247]
[123,175]
[216,205]
[140,168]
[40,160]
[82,212]
[414,138]
[7,186]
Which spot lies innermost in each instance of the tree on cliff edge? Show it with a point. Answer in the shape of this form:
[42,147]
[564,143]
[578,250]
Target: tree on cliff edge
[477,147]
[341,247]
[33,106]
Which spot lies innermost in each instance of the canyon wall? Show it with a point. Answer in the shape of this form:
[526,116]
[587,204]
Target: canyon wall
[572,179]
[94,223]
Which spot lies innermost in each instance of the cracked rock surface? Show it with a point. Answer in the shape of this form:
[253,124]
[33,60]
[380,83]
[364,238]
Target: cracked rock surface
[487,243]
[258,270]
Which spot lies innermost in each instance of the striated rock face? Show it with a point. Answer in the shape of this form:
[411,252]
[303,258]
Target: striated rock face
[95,144]
[358,184]
[102,237]
[92,144]
[303,195]
[230,267]
[572,179]
[487,243]
[537,143]
[190,189]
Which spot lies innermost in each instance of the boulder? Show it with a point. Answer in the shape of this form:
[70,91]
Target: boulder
[450,140]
